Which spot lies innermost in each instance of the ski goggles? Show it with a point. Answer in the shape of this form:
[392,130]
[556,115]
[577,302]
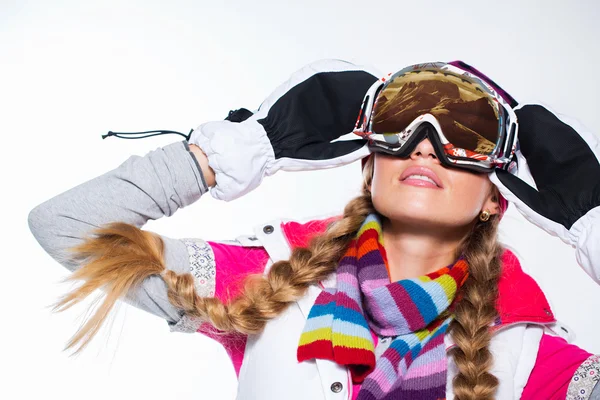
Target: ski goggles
[467,117]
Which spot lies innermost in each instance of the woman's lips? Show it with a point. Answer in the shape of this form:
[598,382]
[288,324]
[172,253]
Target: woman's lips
[420,170]
[419,182]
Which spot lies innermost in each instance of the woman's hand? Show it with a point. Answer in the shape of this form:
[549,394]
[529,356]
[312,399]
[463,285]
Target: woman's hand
[292,130]
[561,159]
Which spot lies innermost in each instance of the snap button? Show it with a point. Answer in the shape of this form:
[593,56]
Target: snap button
[268,229]
[548,312]
[336,387]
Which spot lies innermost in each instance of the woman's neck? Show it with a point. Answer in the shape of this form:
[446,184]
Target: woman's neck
[414,251]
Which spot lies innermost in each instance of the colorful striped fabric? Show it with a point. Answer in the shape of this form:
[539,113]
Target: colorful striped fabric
[416,312]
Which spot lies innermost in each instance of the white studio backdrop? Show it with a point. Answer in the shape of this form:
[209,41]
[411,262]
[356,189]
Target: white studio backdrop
[70,71]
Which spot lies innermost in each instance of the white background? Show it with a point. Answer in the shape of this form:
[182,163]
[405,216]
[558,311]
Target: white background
[71,70]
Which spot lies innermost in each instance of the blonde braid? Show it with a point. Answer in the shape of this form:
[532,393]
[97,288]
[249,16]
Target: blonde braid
[119,256]
[265,297]
[474,314]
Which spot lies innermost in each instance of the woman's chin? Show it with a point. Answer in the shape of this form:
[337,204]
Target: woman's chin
[418,210]
[410,213]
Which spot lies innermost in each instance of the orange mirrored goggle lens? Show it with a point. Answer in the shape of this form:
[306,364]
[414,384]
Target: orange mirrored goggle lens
[468,116]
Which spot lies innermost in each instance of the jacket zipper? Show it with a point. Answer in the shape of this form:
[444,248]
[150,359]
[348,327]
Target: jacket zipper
[350,385]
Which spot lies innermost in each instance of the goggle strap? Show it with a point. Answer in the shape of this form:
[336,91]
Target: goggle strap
[463,65]
[151,133]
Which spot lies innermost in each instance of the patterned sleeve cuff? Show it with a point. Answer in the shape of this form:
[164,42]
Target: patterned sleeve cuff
[202,266]
[585,379]
[186,324]
[203,269]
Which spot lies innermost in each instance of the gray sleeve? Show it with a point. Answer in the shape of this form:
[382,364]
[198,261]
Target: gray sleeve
[140,189]
[595,392]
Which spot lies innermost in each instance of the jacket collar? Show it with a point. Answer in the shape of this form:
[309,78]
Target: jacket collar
[520,299]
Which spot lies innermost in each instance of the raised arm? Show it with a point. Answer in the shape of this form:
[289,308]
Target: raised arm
[140,189]
[102,217]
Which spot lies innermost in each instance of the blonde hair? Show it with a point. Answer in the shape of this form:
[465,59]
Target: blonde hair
[120,256]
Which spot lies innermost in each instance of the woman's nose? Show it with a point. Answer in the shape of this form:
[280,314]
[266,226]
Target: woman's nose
[425,149]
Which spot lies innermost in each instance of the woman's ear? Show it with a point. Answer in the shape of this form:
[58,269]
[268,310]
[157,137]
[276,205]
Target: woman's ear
[491,203]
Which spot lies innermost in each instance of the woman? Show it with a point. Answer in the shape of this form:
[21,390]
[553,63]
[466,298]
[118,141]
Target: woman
[408,294]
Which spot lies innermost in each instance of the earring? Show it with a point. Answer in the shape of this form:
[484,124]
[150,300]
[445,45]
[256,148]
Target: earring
[484,216]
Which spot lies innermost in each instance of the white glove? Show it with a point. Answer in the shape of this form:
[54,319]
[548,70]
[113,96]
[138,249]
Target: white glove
[292,130]
[557,186]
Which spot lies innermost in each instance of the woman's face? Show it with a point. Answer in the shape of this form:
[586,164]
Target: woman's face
[456,202]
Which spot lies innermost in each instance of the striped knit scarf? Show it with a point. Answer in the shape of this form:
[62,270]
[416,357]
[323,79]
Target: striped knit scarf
[416,312]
